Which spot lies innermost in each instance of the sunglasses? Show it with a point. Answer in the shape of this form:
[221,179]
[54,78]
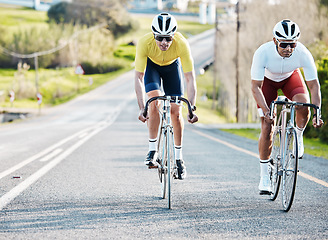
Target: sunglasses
[161,38]
[285,44]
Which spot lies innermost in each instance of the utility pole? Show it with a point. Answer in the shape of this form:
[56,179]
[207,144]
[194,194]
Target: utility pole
[36,66]
[237,62]
[36,4]
[215,72]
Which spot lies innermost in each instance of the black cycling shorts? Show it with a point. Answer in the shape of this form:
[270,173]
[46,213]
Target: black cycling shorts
[170,75]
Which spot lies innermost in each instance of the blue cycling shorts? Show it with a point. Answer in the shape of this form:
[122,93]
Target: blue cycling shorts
[170,76]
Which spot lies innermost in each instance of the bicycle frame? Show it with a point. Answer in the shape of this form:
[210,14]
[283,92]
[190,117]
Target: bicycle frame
[281,123]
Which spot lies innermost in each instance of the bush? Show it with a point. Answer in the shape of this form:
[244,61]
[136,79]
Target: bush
[321,133]
[89,68]
[126,51]
[323,71]
[90,14]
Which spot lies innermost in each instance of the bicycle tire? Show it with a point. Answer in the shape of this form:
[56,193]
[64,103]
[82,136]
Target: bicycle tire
[162,162]
[170,165]
[290,169]
[275,177]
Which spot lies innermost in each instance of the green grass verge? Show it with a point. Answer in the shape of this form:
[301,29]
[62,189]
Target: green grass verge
[311,146]
[61,85]
[14,17]
[57,86]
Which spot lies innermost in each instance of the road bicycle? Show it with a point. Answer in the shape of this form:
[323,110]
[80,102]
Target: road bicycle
[167,168]
[284,155]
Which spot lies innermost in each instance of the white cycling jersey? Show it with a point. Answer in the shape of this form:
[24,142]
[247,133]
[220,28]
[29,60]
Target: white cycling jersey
[268,63]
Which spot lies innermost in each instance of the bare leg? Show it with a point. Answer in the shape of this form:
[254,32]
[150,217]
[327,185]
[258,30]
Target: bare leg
[302,113]
[177,122]
[265,140]
[154,120]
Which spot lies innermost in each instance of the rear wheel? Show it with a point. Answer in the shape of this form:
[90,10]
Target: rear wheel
[275,164]
[290,170]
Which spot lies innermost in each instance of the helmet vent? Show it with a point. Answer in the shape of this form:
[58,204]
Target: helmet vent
[293,29]
[154,29]
[279,35]
[160,23]
[168,21]
[285,26]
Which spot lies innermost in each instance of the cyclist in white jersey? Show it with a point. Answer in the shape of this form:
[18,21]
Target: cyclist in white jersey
[276,66]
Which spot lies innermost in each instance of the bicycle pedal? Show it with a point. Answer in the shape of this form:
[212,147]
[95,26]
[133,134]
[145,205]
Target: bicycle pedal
[265,193]
[151,167]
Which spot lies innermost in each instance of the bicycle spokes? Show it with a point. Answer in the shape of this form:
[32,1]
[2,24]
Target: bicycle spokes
[290,169]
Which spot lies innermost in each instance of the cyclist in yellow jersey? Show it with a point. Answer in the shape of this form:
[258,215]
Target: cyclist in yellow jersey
[159,57]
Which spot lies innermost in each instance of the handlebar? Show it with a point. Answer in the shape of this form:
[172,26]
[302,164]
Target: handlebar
[171,98]
[286,101]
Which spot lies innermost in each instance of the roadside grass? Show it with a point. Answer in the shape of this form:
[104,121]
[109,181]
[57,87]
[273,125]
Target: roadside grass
[206,114]
[312,146]
[61,85]
[14,17]
[57,86]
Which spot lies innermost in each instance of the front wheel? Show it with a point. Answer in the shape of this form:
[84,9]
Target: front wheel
[170,165]
[162,162]
[275,166]
[290,167]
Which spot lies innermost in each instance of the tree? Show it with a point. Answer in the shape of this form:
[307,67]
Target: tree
[91,13]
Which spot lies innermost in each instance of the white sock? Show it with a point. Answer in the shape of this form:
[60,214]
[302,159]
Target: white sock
[299,131]
[153,144]
[178,152]
[264,167]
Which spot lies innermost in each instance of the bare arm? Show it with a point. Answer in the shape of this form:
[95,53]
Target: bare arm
[140,92]
[258,95]
[191,87]
[191,92]
[259,98]
[314,87]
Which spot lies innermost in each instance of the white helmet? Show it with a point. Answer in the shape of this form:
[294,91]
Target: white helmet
[286,30]
[164,24]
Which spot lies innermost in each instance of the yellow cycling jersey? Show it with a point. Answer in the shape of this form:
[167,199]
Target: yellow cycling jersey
[147,48]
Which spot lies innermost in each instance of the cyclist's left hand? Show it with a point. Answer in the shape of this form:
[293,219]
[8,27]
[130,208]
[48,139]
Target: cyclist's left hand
[142,118]
[193,119]
[314,122]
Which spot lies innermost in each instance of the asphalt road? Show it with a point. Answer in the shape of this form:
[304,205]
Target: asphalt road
[77,172]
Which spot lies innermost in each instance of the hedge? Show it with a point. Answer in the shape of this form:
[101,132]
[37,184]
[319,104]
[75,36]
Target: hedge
[321,133]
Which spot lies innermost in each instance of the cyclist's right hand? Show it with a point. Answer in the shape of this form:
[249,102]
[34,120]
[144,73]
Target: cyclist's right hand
[193,119]
[267,117]
[142,118]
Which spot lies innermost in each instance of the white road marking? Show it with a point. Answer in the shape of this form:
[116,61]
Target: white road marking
[8,197]
[83,135]
[51,155]
[41,154]
[13,193]
[302,174]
